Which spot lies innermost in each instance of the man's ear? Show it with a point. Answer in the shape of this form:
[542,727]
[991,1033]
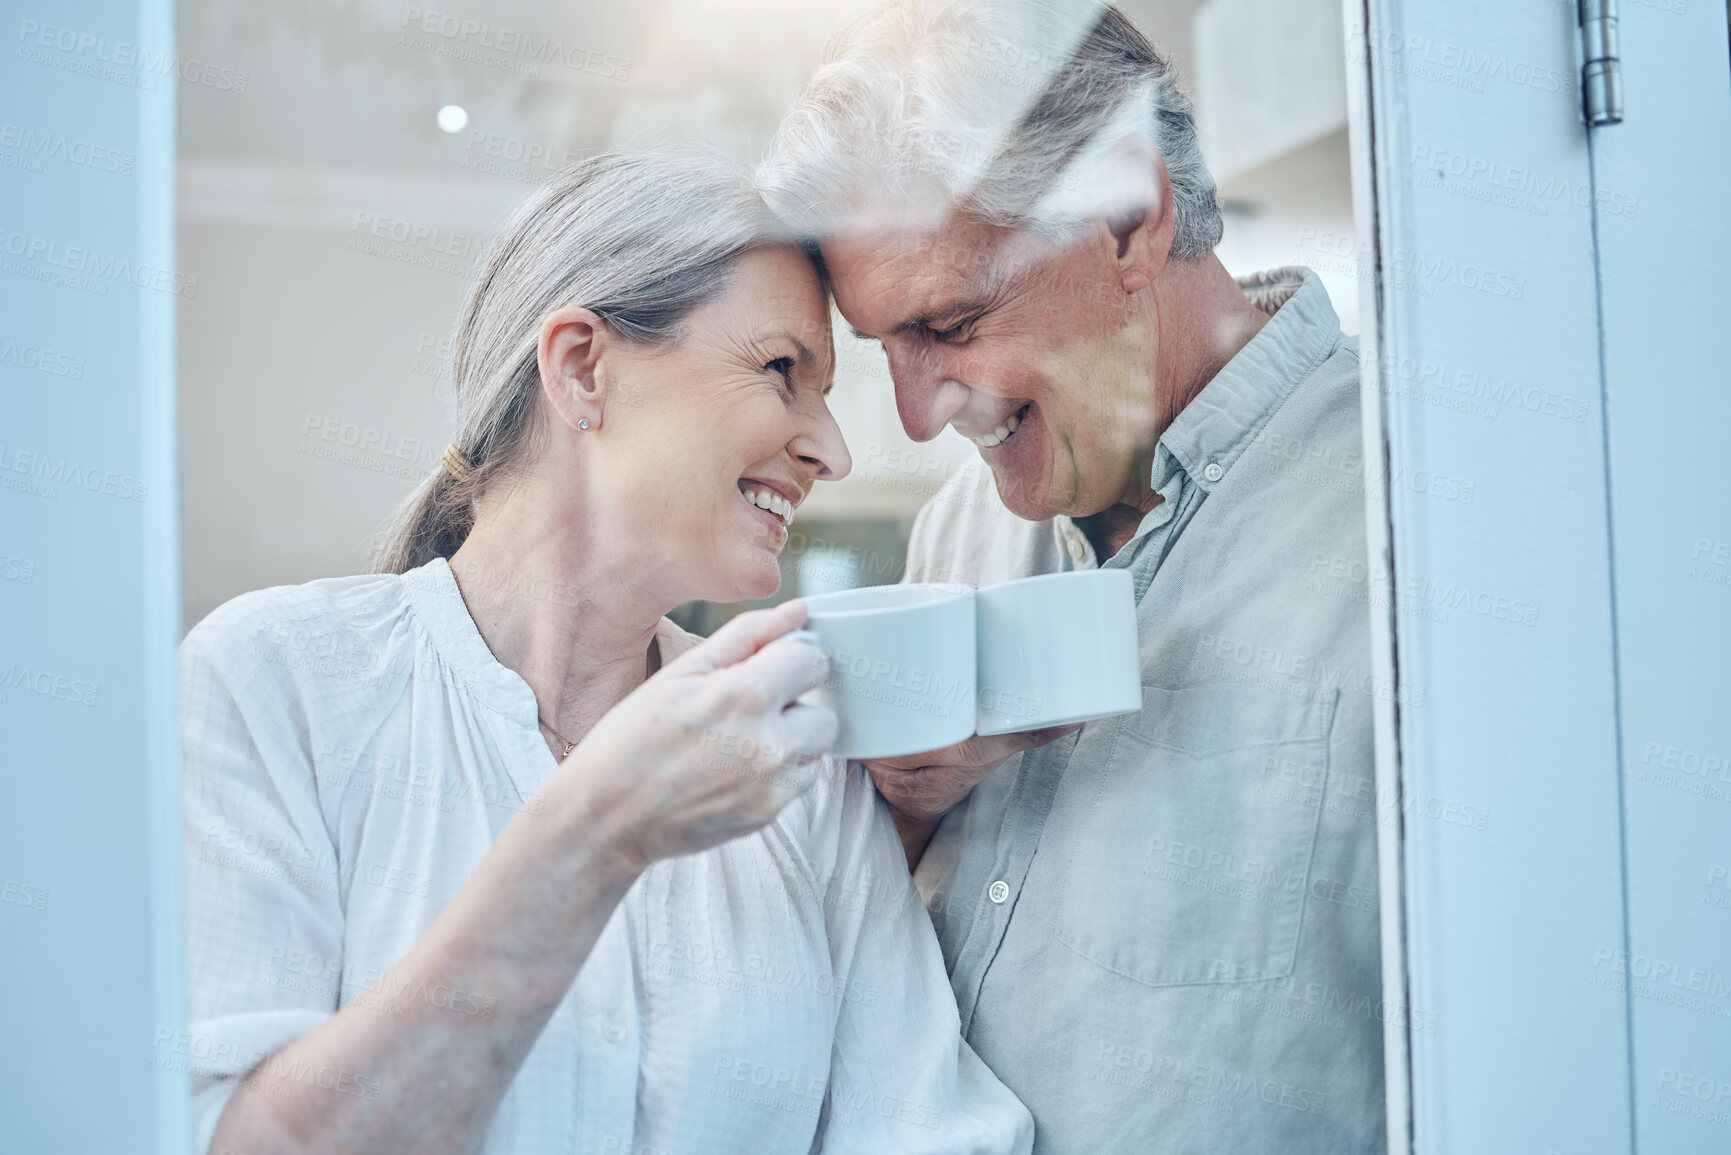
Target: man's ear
[568,355]
[1141,222]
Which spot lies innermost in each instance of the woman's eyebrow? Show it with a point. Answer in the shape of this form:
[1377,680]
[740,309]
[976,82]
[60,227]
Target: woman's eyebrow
[804,355]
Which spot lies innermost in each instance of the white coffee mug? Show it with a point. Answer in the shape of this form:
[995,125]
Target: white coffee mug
[901,676]
[1056,649]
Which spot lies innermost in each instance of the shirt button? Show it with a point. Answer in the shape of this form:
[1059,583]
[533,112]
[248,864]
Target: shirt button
[1075,545]
[1212,471]
[614,1031]
[998,891]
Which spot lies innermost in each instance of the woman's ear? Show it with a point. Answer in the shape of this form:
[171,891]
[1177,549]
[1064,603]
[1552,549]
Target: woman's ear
[1142,225]
[572,343]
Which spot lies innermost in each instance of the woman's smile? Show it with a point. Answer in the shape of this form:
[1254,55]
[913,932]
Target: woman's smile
[772,504]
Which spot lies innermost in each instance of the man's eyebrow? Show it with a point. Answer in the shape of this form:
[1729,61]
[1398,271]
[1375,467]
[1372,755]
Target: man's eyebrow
[948,312]
[859,336]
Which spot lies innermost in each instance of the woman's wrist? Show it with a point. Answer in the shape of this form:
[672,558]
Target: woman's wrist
[540,877]
[591,839]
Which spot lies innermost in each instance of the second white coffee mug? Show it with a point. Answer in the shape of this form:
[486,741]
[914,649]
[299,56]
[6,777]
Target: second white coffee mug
[1056,649]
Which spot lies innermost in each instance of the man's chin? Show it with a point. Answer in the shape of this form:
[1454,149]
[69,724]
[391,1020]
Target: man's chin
[1039,502]
[1028,501]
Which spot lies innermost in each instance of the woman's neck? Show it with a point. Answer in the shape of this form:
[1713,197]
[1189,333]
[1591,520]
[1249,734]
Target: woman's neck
[556,609]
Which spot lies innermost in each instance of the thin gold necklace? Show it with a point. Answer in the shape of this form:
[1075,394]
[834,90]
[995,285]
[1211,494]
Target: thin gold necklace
[569,745]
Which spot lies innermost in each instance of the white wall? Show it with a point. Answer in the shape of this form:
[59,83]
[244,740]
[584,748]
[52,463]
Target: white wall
[311,328]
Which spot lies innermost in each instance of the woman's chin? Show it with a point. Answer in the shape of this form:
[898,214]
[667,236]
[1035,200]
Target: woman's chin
[761,582]
[746,580]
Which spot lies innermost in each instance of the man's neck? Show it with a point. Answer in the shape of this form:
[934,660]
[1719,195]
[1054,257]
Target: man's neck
[1110,530]
[1204,321]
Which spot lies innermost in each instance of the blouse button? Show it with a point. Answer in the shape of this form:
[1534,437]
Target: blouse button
[1074,542]
[998,891]
[1212,471]
[614,1031]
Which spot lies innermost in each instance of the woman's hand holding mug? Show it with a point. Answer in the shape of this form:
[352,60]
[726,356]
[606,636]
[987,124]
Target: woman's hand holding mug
[710,748]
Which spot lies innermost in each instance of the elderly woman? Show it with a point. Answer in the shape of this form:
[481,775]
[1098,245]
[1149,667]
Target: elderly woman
[484,852]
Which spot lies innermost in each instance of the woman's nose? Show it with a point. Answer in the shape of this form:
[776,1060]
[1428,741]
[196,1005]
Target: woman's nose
[821,448]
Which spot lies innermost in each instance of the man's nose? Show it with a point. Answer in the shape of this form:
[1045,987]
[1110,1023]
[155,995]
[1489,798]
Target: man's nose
[926,397]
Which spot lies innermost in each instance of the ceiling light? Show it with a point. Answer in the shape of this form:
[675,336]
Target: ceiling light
[453,117]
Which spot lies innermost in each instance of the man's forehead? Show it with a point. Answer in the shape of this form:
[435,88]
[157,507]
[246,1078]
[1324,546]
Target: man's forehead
[907,270]
[955,246]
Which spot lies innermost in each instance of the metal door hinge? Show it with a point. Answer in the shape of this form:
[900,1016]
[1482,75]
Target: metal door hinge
[1602,71]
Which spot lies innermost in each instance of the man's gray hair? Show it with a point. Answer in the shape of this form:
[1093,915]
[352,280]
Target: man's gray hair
[1013,110]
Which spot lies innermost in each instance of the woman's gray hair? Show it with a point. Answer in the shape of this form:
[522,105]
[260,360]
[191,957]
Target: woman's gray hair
[642,239]
[1010,109]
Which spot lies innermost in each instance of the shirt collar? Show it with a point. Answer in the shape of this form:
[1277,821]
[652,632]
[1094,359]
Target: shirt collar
[1223,419]
[1221,422]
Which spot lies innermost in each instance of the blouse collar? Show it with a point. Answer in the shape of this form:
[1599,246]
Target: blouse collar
[439,604]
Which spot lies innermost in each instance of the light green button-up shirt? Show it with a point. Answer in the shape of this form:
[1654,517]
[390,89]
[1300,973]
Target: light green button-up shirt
[1162,932]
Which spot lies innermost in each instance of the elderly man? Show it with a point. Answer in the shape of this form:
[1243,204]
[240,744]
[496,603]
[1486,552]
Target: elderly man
[1161,928]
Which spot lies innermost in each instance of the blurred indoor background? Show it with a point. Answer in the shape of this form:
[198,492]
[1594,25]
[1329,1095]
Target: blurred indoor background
[331,213]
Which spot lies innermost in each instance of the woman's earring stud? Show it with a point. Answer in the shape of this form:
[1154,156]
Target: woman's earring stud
[583,424]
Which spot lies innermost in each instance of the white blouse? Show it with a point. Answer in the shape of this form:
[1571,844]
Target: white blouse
[352,749]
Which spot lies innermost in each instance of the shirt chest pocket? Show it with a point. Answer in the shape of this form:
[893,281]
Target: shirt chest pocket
[1191,853]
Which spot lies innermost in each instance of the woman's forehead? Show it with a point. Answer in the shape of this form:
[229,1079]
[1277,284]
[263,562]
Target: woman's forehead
[776,285]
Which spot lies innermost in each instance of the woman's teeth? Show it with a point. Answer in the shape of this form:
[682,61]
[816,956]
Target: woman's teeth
[772,501]
[999,435]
